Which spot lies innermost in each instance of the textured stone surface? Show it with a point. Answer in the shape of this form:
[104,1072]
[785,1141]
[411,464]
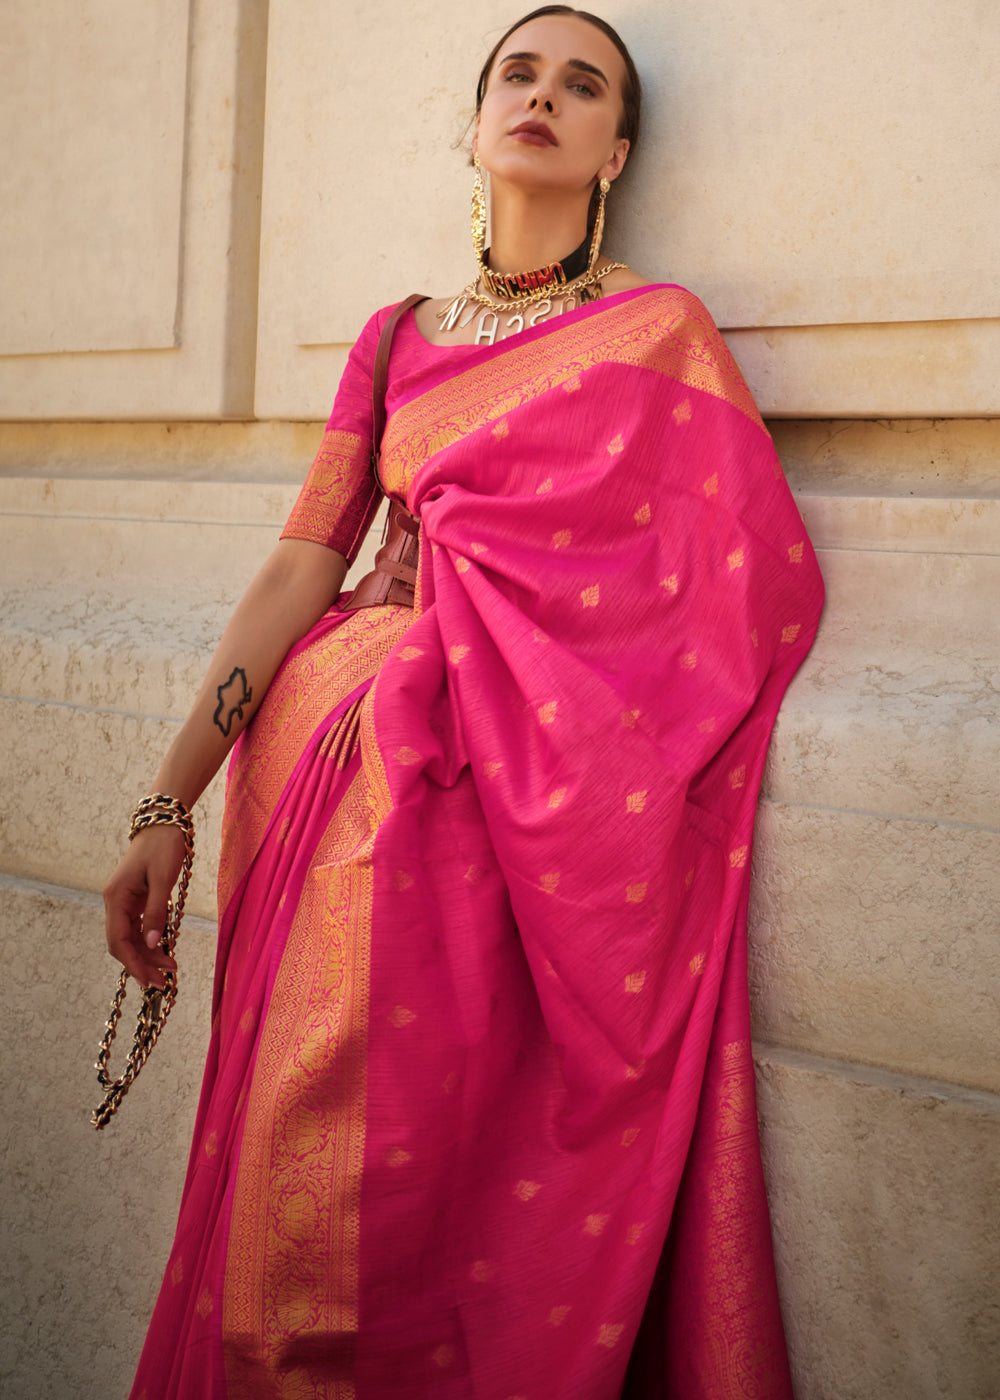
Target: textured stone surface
[895,709]
[268,452]
[875,939]
[87,1218]
[72,776]
[210,373]
[928,457]
[884,1203]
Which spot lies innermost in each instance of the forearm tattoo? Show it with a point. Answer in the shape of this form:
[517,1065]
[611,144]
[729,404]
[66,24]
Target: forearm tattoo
[232,698]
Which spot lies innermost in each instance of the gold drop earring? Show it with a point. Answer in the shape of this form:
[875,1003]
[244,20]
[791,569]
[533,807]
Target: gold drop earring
[478,211]
[595,242]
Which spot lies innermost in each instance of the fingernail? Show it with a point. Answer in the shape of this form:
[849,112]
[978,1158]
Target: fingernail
[152,938]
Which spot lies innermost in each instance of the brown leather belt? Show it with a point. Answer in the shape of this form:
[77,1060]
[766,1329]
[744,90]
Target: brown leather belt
[394,577]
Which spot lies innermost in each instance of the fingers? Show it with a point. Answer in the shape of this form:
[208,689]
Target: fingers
[135,904]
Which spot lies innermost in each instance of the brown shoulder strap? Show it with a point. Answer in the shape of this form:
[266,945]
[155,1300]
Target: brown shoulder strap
[380,374]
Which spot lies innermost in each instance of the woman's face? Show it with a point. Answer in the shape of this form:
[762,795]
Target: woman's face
[553,106]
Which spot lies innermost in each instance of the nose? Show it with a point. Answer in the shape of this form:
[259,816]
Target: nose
[540,99]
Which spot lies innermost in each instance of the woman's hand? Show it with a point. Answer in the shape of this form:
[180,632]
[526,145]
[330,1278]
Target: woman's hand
[135,903]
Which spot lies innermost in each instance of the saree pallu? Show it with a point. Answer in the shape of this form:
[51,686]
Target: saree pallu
[478,1119]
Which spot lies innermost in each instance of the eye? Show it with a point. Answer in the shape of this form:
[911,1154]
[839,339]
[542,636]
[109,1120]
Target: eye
[517,75]
[584,88]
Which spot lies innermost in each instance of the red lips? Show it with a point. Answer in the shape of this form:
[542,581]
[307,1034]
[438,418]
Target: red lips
[535,129]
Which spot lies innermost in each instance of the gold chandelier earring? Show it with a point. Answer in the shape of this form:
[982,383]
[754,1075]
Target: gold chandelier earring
[478,211]
[595,242]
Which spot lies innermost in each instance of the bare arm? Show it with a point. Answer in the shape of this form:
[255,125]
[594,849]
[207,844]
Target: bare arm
[291,592]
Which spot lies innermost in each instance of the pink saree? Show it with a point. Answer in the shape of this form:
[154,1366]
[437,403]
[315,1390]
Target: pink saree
[478,1118]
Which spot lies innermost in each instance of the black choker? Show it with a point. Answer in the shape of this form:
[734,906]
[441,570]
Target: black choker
[509,285]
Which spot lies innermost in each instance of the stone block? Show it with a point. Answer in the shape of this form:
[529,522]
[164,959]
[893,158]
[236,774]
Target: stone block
[883,1196]
[72,775]
[875,939]
[88,1217]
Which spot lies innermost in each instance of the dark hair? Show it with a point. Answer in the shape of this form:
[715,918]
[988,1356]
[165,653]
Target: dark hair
[631,85]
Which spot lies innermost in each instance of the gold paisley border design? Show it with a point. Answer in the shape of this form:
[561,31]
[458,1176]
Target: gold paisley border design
[292,1269]
[666,330]
[298,701]
[340,496]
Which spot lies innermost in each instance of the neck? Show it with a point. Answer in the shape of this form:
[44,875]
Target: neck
[529,230]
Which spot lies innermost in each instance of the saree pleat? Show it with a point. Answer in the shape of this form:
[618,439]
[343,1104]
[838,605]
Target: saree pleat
[484,886]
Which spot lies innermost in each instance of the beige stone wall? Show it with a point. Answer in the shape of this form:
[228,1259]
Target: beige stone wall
[203,203]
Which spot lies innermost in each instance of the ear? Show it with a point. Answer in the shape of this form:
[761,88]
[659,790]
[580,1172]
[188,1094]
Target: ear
[613,167]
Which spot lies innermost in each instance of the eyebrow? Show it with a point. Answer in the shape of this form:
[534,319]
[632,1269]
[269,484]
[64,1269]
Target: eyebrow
[579,64]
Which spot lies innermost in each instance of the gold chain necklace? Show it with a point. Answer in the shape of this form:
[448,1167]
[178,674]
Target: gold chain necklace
[462,308]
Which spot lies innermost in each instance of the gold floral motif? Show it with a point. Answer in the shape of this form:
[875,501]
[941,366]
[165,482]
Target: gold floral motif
[634,982]
[629,1136]
[595,1224]
[559,1314]
[211,1145]
[682,413]
[636,801]
[634,1232]
[697,965]
[737,776]
[689,660]
[590,597]
[443,1357]
[644,514]
[177,1271]
[482,1271]
[556,797]
[397,1157]
[616,445]
[670,584]
[545,487]
[790,633]
[402,880]
[457,654]
[635,894]
[401,1016]
[204,1305]
[610,1334]
[561,539]
[407,756]
[527,1190]
[629,718]
[711,486]
[547,712]
[738,857]
[550,882]
[795,552]
[736,560]
[491,769]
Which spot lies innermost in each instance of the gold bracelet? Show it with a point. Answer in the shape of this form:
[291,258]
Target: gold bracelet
[155,810]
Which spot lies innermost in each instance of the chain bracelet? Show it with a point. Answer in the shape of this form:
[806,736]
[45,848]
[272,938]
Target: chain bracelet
[155,810]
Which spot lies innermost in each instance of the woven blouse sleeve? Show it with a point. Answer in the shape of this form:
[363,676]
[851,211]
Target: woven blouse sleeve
[339,499]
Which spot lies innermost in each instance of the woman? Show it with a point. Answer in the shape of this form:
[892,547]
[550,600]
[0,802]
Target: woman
[479,1093]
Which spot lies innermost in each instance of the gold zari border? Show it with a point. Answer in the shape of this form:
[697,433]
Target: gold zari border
[666,330]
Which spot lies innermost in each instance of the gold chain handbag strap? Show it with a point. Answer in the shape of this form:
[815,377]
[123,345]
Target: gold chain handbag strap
[155,810]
